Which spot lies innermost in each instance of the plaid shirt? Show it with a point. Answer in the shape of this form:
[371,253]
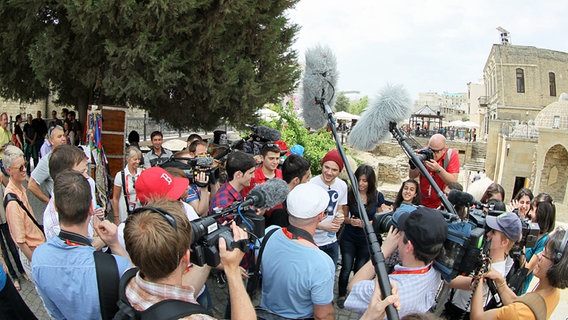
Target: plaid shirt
[143,294]
[224,197]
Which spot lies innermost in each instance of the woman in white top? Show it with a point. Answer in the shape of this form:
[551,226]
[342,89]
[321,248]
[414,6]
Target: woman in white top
[124,198]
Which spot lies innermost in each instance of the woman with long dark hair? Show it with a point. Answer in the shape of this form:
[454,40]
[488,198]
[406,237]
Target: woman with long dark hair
[543,213]
[353,243]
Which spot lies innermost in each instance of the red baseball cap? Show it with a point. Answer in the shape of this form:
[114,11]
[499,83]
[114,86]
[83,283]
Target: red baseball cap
[156,182]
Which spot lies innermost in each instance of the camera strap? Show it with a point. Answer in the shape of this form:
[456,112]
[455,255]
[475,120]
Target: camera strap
[415,271]
[73,239]
[296,233]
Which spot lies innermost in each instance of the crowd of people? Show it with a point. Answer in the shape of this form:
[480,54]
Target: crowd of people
[138,263]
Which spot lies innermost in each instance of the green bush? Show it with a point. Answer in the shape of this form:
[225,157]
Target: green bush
[316,144]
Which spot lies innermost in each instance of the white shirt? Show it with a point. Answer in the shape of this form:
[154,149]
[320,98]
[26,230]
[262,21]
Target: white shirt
[51,217]
[337,197]
[130,180]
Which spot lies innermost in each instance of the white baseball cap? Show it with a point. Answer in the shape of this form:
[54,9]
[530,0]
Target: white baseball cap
[307,200]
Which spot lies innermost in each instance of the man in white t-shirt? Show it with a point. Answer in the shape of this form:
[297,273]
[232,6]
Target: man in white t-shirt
[325,236]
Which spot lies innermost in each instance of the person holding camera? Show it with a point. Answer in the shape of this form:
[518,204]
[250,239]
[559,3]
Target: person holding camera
[505,230]
[157,154]
[158,239]
[544,214]
[443,165]
[551,270]
[197,196]
[419,240]
[297,277]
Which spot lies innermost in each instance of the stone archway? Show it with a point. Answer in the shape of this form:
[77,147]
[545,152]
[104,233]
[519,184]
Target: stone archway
[553,178]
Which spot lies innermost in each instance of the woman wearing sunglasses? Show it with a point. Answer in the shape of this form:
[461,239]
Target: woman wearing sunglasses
[23,227]
[551,271]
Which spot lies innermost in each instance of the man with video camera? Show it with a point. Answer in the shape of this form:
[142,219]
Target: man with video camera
[442,163]
[158,239]
[505,230]
[419,240]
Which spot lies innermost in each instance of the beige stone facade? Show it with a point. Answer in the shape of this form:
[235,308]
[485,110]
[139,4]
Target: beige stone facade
[542,73]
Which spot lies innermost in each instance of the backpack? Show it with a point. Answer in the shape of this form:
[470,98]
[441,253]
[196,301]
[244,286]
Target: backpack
[448,158]
[166,309]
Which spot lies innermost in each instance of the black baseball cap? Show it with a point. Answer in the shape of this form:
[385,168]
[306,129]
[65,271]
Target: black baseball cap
[424,227]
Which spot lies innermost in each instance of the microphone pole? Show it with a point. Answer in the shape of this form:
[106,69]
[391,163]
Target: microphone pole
[374,248]
[412,155]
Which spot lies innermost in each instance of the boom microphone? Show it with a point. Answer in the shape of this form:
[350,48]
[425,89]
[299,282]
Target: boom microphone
[320,75]
[393,104]
[268,194]
[266,133]
[460,198]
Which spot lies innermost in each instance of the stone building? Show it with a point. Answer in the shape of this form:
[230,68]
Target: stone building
[519,82]
[539,152]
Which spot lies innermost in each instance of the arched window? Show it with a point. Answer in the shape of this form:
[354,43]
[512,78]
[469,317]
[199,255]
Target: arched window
[552,84]
[520,80]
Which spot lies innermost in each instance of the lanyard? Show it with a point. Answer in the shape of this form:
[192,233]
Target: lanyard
[418,271]
[296,233]
[74,239]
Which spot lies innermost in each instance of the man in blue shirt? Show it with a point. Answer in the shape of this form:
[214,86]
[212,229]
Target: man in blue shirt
[64,266]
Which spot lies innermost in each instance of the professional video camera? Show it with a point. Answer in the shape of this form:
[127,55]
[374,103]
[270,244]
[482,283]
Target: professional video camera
[193,166]
[530,231]
[206,231]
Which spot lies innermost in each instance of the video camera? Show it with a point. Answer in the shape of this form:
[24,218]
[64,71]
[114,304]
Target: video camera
[207,231]
[193,166]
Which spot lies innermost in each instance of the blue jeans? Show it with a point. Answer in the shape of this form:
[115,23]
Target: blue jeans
[332,250]
[353,256]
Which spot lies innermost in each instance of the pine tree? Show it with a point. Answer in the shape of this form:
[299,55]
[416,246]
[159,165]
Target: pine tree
[192,63]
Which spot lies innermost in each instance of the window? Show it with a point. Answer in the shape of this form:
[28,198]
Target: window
[520,80]
[556,122]
[552,84]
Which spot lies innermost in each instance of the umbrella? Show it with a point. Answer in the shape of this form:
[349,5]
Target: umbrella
[342,115]
[267,114]
[470,124]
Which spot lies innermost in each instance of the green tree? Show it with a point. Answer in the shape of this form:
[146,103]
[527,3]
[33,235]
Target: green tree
[342,103]
[192,63]
[359,106]
[316,144]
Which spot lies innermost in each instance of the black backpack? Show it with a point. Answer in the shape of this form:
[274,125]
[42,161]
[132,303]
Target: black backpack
[166,309]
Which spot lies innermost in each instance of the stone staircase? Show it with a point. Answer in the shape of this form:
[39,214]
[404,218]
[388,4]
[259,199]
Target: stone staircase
[478,156]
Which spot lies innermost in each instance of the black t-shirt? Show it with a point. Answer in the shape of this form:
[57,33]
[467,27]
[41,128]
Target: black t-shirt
[29,130]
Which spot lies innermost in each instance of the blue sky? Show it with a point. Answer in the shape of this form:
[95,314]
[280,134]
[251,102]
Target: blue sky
[424,45]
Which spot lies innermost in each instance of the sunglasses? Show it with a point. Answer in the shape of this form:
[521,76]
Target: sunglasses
[169,218]
[436,151]
[23,167]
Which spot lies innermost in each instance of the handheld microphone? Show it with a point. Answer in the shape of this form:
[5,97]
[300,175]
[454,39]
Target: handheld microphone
[266,133]
[393,104]
[268,194]
[320,76]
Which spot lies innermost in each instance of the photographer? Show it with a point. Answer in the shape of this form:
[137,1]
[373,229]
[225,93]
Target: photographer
[158,240]
[505,231]
[420,240]
[551,271]
[544,213]
[443,165]
[198,197]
